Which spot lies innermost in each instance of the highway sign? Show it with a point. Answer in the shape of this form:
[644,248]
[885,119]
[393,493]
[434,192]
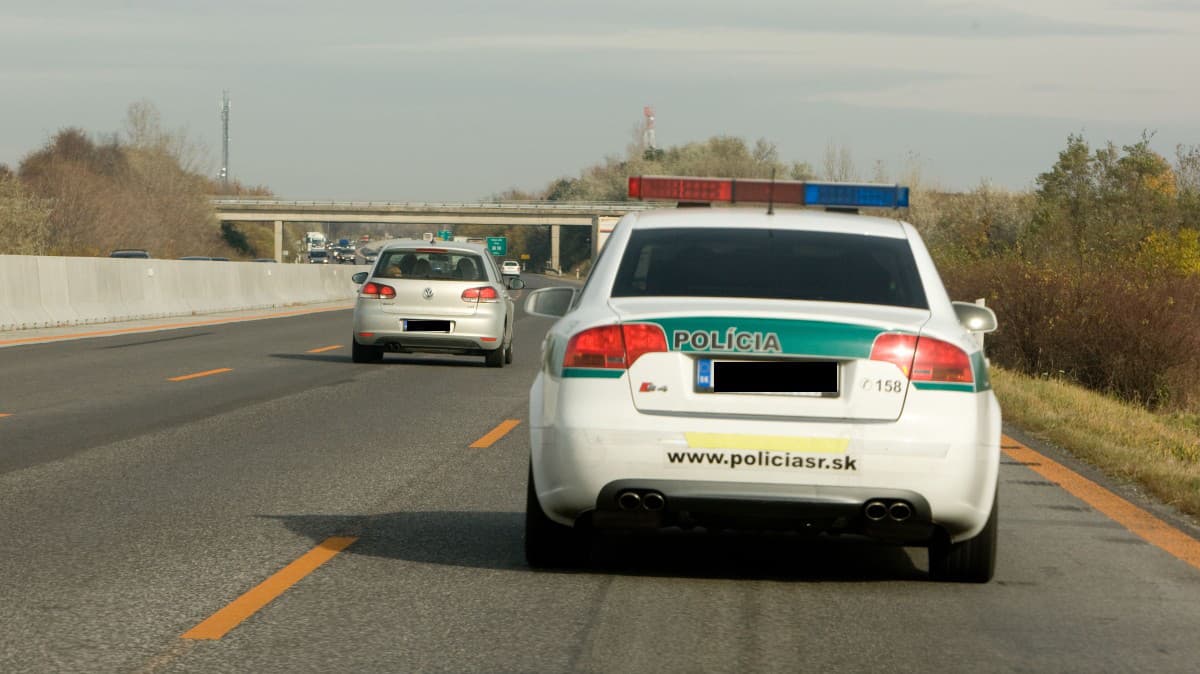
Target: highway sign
[497,245]
[524,256]
[445,235]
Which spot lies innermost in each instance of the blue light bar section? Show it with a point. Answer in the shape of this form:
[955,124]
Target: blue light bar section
[855,196]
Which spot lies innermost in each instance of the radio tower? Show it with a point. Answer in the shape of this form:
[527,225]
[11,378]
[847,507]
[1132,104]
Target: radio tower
[648,142]
[225,139]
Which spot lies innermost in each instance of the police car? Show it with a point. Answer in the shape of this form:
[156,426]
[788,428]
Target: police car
[818,379]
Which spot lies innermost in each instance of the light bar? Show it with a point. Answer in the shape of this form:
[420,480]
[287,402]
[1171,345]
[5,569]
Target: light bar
[732,190]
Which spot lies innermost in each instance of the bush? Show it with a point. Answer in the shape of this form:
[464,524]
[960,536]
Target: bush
[1116,328]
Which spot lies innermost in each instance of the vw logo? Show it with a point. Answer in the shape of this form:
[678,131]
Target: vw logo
[427,294]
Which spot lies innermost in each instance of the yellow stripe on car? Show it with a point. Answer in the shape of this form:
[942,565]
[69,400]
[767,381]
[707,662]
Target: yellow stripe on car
[767,443]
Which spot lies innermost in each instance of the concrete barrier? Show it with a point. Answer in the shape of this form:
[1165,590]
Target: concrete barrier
[40,292]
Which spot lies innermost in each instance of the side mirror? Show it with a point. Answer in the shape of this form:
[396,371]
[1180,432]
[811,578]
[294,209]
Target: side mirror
[515,283]
[975,317]
[359,277]
[550,302]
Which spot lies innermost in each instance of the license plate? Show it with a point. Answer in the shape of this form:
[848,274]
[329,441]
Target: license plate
[787,377]
[425,326]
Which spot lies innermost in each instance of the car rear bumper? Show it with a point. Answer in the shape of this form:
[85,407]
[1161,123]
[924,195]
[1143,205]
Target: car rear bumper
[476,334]
[941,457]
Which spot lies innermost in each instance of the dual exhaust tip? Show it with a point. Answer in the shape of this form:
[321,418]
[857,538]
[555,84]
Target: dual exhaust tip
[898,511]
[632,500]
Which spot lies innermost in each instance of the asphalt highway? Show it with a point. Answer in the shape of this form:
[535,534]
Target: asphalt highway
[149,480]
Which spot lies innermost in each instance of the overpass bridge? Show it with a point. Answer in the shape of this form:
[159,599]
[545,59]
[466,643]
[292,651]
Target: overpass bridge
[600,216]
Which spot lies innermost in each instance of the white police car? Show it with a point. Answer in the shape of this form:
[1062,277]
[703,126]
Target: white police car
[818,379]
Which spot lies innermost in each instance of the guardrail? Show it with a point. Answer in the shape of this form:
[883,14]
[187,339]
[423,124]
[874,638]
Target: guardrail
[43,292]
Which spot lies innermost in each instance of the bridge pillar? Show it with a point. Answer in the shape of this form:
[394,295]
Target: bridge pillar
[554,234]
[279,241]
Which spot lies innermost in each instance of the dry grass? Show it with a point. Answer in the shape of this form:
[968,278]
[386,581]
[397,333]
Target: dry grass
[1159,452]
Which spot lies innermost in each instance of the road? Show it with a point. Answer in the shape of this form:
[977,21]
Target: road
[134,508]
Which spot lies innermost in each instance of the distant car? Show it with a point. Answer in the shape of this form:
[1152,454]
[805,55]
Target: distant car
[134,253]
[406,304]
[817,380]
[510,268]
[318,257]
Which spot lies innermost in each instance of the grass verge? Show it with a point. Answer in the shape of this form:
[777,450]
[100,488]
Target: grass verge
[1159,452]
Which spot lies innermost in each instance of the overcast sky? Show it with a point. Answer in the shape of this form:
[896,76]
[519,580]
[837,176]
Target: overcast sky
[443,100]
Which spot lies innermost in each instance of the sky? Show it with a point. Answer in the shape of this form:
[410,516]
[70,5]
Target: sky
[449,100]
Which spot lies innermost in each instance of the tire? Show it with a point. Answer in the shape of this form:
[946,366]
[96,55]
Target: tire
[360,353]
[549,544]
[508,355]
[494,358]
[970,561]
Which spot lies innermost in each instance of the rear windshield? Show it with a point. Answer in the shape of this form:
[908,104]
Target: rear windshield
[448,266]
[770,264]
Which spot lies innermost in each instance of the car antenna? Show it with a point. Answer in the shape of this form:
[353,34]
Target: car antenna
[771,195]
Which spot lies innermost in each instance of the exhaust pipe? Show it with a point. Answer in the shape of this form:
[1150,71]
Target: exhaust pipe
[629,500]
[876,511]
[653,501]
[900,511]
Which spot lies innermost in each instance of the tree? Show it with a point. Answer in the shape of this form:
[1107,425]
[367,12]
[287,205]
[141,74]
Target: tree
[23,218]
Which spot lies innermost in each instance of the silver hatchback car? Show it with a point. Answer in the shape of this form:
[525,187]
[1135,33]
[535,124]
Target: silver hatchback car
[434,298]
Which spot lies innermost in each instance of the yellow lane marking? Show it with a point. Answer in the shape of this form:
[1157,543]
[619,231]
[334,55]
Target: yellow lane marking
[197,375]
[323,349]
[768,443]
[165,326]
[495,434]
[219,623]
[1133,518]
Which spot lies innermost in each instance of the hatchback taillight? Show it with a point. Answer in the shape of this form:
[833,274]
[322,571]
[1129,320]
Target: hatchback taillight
[480,294]
[924,358]
[372,290]
[614,346]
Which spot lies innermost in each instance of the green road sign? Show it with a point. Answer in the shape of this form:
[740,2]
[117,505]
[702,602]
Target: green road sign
[497,245]
[445,235]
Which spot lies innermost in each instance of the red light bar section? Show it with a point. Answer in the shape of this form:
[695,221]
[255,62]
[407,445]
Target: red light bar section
[681,189]
[716,189]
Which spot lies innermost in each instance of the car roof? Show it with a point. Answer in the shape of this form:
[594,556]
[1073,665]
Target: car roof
[757,218]
[448,246]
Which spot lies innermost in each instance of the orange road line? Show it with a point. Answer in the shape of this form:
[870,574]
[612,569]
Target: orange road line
[2,415]
[495,434]
[197,375]
[323,349]
[235,612]
[1133,518]
[165,326]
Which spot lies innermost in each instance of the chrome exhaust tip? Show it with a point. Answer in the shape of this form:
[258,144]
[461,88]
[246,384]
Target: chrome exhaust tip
[900,511]
[653,501]
[629,500]
[876,511]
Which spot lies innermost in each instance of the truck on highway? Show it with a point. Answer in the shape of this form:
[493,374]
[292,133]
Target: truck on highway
[314,240]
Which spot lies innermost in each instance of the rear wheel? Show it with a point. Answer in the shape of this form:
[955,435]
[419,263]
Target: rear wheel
[549,544]
[360,353]
[508,355]
[970,561]
[494,358]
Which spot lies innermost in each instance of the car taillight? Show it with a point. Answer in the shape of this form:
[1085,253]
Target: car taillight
[924,358]
[481,294]
[614,346]
[372,290]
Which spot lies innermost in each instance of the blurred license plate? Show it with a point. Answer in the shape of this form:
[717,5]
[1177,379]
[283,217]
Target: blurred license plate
[426,326]
[764,377]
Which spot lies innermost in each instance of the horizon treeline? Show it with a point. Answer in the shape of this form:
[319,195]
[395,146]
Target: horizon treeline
[143,188]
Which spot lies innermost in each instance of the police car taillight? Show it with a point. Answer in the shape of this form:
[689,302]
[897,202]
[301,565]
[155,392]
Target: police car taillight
[732,190]
[372,290]
[924,358]
[614,346]
[481,294]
